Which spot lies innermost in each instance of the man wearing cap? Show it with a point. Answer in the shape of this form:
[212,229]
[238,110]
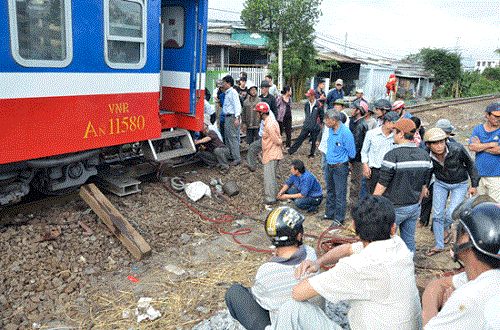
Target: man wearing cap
[359,96]
[447,127]
[231,109]
[399,107]
[461,301]
[381,107]
[336,93]
[211,149]
[376,144]
[358,128]
[340,147]
[404,175]
[485,142]
[311,126]
[271,152]
[452,167]
[267,97]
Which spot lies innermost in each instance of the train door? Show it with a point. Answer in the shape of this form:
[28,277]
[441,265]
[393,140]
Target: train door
[183,64]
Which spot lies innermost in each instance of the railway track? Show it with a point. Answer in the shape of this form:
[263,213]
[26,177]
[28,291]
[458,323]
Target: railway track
[430,106]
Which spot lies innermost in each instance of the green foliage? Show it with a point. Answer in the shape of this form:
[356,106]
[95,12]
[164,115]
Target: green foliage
[475,84]
[491,73]
[445,66]
[296,19]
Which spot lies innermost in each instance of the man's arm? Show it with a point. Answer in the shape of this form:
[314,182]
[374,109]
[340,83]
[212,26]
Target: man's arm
[281,194]
[332,256]
[435,295]
[303,291]
[203,140]
[490,147]
[379,189]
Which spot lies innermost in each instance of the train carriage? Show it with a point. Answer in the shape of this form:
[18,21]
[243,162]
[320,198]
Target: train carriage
[79,77]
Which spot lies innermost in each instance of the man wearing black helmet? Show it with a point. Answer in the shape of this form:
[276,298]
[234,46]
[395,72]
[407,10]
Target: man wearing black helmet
[458,302]
[256,308]
[381,106]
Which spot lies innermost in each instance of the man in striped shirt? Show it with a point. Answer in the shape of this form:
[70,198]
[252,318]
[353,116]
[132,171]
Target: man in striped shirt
[404,176]
[258,306]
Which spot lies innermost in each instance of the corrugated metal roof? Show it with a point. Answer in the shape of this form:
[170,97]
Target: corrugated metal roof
[329,56]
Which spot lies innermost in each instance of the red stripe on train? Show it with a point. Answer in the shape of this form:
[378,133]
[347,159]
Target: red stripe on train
[38,127]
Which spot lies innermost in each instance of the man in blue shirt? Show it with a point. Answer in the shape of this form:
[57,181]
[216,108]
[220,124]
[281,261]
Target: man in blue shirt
[340,147]
[485,141]
[303,187]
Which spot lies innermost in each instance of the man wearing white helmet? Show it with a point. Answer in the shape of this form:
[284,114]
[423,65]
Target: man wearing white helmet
[399,107]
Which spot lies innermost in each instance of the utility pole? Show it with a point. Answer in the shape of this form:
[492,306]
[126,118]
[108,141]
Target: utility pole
[280,60]
[345,44]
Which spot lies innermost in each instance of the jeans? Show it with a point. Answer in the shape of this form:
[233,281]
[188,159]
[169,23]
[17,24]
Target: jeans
[302,136]
[310,204]
[243,308]
[406,220]
[270,181]
[336,183]
[441,218]
[232,136]
[253,153]
[324,166]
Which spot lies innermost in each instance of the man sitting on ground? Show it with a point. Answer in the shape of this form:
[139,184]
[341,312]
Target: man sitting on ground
[460,301]
[256,308]
[376,276]
[212,150]
[303,187]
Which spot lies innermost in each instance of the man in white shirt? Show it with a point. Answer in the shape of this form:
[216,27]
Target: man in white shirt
[376,276]
[273,90]
[461,301]
[232,111]
[376,144]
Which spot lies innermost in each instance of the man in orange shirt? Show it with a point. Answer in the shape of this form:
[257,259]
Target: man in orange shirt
[272,152]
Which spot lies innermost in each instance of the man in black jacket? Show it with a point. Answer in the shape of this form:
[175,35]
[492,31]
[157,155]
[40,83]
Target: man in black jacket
[452,167]
[404,176]
[358,128]
[268,98]
[313,117]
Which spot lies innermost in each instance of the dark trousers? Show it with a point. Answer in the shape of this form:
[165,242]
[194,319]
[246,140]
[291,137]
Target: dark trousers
[243,307]
[286,126]
[336,183]
[252,134]
[371,183]
[302,136]
[308,203]
[426,208]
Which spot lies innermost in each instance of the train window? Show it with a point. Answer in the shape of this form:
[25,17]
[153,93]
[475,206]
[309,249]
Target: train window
[40,32]
[173,18]
[125,29]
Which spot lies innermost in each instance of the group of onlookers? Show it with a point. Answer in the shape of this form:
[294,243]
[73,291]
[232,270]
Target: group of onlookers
[400,166]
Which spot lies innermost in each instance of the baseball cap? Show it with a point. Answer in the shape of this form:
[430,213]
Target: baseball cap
[434,134]
[265,83]
[445,125]
[405,125]
[359,90]
[339,82]
[311,92]
[493,108]
[391,116]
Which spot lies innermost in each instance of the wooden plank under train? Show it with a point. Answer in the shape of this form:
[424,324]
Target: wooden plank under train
[115,221]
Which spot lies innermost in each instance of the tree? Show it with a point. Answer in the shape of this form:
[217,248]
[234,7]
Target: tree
[295,19]
[445,66]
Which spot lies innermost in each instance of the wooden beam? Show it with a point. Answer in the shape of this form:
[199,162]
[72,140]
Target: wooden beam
[115,222]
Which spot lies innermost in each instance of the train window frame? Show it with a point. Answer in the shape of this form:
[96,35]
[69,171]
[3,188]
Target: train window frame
[142,40]
[68,36]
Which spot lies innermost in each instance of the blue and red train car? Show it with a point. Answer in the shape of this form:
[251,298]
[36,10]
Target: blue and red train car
[78,77]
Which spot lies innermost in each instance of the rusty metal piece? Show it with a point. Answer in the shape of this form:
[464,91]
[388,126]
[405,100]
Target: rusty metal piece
[50,235]
[88,231]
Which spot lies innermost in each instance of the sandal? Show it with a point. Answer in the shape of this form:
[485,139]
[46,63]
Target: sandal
[433,251]
[447,236]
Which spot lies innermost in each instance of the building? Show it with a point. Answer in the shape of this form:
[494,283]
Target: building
[483,64]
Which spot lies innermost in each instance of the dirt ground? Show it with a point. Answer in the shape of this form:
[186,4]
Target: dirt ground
[80,281]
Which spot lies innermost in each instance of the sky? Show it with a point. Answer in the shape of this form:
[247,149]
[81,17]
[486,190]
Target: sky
[393,29]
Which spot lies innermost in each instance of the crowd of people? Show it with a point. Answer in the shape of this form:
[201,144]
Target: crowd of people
[399,173]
